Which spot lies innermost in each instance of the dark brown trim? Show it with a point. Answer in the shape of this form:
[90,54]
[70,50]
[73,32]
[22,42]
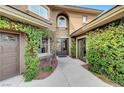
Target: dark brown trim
[9,31]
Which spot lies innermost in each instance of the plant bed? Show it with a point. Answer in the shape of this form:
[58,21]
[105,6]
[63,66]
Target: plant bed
[47,67]
[102,77]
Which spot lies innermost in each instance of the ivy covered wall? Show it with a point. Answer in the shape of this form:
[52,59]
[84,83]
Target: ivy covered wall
[73,48]
[34,35]
[105,51]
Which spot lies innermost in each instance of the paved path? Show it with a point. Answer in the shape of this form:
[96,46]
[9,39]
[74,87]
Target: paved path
[69,73]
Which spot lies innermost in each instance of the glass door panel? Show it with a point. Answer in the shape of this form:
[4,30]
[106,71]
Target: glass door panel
[82,49]
[62,46]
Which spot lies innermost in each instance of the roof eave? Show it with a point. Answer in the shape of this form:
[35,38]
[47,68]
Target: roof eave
[77,9]
[108,16]
[16,15]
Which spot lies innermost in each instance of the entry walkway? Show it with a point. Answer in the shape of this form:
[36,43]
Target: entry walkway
[69,73]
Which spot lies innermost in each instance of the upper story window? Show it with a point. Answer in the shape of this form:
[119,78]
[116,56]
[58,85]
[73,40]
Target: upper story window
[62,21]
[39,10]
[85,19]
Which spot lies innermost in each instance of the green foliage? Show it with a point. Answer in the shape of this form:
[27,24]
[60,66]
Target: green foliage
[31,53]
[73,48]
[34,35]
[32,68]
[49,34]
[4,22]
[48,69]
[105,51]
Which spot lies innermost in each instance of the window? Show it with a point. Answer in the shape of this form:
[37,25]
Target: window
[39,10]
[85,18]
[43,48]
[9,38]
[62,21]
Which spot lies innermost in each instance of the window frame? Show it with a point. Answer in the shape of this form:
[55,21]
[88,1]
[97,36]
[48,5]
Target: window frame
[41,46]
[45,7]
[86,19]
[40,54]
[66,23]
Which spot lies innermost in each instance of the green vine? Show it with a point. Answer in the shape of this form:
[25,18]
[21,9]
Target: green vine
[73,48]
[34,35]
[105,51]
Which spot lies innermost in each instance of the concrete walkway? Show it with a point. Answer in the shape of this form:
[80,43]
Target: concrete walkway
[69,73]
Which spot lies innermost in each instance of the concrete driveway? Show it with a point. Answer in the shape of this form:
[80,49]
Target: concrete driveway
[69,73]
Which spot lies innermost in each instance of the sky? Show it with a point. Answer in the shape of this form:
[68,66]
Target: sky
[100,7]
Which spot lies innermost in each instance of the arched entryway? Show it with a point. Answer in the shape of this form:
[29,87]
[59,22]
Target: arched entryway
[62,34]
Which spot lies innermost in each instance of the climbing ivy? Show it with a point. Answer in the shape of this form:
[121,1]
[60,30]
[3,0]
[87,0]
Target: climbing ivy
[73,48]
[105,51]
[34,35]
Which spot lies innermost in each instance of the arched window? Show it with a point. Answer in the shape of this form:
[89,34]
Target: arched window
[62,21]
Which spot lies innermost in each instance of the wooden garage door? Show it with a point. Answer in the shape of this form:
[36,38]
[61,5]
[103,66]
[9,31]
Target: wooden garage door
[9,50]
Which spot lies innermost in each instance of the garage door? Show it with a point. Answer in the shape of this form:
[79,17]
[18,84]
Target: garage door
[9,53]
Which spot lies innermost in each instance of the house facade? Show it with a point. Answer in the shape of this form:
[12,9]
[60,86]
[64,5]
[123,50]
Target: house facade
[67,23]
[62,20]
[66,20]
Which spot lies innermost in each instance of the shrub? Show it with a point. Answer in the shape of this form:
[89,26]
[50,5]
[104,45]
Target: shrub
[32,68]
[48,69]
[105,51]
[73,48]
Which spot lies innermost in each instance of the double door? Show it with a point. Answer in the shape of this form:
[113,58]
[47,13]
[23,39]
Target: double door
[62,47]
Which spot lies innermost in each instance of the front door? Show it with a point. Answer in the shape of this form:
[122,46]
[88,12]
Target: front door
[62,47]
[82,49]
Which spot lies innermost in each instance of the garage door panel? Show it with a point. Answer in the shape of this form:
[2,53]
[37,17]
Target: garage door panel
[8,70]
[0,67]
[8,76]
[0,49]
[0,74]
[9,60]
[9,49]
[0,58]
[9,55]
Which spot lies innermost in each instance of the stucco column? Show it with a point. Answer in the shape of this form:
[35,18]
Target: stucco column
[48,46]
[23,43]
[69,46]
[76,48]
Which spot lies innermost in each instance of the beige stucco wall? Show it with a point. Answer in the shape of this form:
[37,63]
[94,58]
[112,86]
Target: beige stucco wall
[75,21]
[75,18]
[62,33]
[23,43]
